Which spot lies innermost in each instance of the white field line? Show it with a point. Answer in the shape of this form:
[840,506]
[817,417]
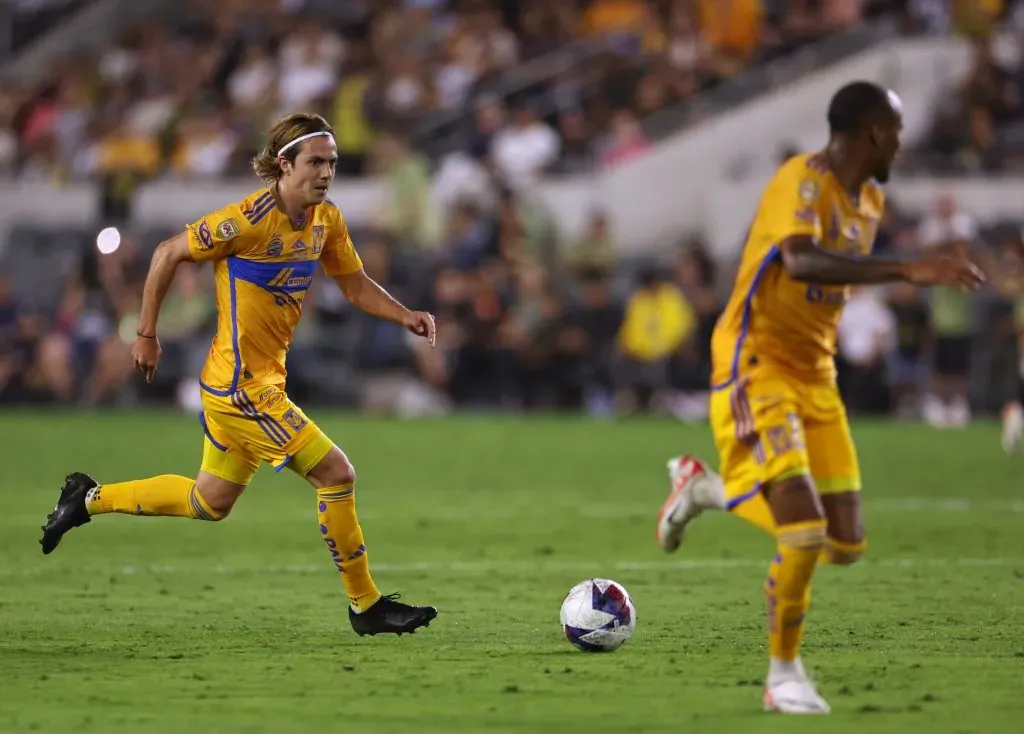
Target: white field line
[496,567]
[612,510]
[601,510]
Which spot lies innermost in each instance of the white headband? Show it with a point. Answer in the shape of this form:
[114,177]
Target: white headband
[301,138]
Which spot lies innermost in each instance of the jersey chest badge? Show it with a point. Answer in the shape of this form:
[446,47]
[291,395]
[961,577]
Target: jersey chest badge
[275,246]
[318,239]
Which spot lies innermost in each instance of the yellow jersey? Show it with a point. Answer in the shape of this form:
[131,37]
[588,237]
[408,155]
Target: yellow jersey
[656,323]
[263,268]
[771,318]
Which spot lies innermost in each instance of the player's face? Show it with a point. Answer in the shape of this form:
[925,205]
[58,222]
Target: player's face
[314,169]
[887,145]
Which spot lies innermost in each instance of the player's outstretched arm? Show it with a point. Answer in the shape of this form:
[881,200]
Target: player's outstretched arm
[368,296]
[806,261]
[169,254]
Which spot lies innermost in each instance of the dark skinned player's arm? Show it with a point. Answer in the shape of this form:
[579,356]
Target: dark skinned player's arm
[806,261]
[168,256]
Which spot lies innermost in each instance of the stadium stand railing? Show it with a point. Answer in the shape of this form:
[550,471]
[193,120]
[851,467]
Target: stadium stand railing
[767,78]
[91,26]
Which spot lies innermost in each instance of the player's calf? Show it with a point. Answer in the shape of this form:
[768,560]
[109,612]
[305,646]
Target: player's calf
[694,488]
[801,538]
[370,612]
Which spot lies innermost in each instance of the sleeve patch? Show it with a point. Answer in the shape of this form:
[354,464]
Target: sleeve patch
[205,238]
[226,230]
[809,191]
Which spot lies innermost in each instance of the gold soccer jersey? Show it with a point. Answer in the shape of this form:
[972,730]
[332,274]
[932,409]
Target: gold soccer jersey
[772,318]
[263,267]
[775,409]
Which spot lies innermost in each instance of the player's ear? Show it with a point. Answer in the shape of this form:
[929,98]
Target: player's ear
[284,164]
[875,136]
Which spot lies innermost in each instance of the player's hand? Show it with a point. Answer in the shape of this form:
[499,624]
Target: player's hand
[146,354]
[957,270]
[422,324]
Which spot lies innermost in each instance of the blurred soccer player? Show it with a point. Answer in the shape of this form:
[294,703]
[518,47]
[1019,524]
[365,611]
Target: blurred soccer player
[786,459]
[265,251]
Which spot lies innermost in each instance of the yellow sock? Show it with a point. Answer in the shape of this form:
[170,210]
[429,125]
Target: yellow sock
[838,553]
[168,495]
[788,588]
[339,526]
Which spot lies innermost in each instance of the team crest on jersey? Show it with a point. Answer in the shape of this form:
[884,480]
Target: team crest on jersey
[809,191]
[318,239]
[205,238]
[275,246]
[228,229]
[293,419]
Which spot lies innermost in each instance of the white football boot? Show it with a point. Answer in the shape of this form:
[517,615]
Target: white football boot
[1013,427]
[794,696]
[695,488]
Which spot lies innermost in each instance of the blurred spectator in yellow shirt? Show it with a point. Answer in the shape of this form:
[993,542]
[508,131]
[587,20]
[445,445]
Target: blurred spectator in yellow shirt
[627,24]
[734,30]
[657,322]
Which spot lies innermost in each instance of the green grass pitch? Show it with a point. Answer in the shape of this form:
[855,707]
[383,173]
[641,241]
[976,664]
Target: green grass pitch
[164,625]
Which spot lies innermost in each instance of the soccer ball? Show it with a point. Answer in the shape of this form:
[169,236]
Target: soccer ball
[598,615]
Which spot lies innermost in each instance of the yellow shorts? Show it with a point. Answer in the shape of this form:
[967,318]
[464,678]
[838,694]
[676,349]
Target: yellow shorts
[772,427]
[258,424]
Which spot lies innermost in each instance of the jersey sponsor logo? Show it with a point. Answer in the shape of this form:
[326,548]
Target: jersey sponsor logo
[825,296]
[275,400]
[285,279]
[205,238]
[266,394]
[228,229]
[299,251]
[275,246]
[318,239]
[809,191]
[293,419]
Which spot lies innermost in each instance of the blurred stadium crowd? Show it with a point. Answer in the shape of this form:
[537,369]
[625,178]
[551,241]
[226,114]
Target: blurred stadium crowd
[519,89]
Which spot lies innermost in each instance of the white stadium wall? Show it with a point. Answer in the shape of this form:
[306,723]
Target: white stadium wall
[708,177]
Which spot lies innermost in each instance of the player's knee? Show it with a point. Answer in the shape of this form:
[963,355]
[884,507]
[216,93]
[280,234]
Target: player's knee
[799,515]
[218,495]
[220,505]
[334,470]
[795,500]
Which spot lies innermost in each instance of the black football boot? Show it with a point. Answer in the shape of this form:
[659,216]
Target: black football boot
[390,616]
[70,511]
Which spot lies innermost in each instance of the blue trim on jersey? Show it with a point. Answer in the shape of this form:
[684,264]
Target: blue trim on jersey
[206,430]
[748,305]
[266,275]
[234,336]
[264,210]
[287,460]
[258,208]
[273,430]
[737,501]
